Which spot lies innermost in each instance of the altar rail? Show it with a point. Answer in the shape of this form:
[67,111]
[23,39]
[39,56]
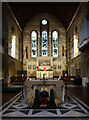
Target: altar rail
[32,85]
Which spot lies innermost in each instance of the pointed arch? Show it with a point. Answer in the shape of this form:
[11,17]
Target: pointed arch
[34,44]
[55,43]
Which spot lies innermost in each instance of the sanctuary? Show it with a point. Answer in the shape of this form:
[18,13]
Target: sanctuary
[44,47]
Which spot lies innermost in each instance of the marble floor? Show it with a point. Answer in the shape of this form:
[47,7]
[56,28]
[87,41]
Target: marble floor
[69,109]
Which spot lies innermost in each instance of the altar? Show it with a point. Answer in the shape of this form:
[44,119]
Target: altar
[45,74]
[44,85]
[44,68]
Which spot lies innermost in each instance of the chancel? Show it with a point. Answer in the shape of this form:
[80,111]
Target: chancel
[45,60]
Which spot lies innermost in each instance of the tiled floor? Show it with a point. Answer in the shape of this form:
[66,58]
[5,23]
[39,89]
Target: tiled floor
[72,109]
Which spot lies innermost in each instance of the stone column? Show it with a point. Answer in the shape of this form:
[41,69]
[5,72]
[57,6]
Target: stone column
[30,47]
[50,48]
[38,45]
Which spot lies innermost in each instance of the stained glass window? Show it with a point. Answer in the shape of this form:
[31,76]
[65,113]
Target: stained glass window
[44,22]
[55,43]
[33,44]
[44,43]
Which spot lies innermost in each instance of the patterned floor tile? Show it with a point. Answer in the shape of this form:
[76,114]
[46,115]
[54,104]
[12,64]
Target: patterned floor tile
[80,111]
[64,111]
[74,114]
[76,107]
[53,111]
[35,111]
[25,111]
[20,106]
[67,109]
[45,114]
[14,114]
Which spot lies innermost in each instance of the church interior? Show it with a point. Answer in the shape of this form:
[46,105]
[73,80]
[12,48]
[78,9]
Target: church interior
[44,60]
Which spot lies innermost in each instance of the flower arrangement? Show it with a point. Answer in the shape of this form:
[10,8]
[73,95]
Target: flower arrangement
[37,67]
[52,67]
[57,102]
[30,101]
[43,101]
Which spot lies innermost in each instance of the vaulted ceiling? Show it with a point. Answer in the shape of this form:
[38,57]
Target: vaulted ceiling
[24,11]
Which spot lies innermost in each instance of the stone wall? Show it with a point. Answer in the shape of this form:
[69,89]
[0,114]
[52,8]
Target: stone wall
[10,28]
[85,62]
[74,62]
